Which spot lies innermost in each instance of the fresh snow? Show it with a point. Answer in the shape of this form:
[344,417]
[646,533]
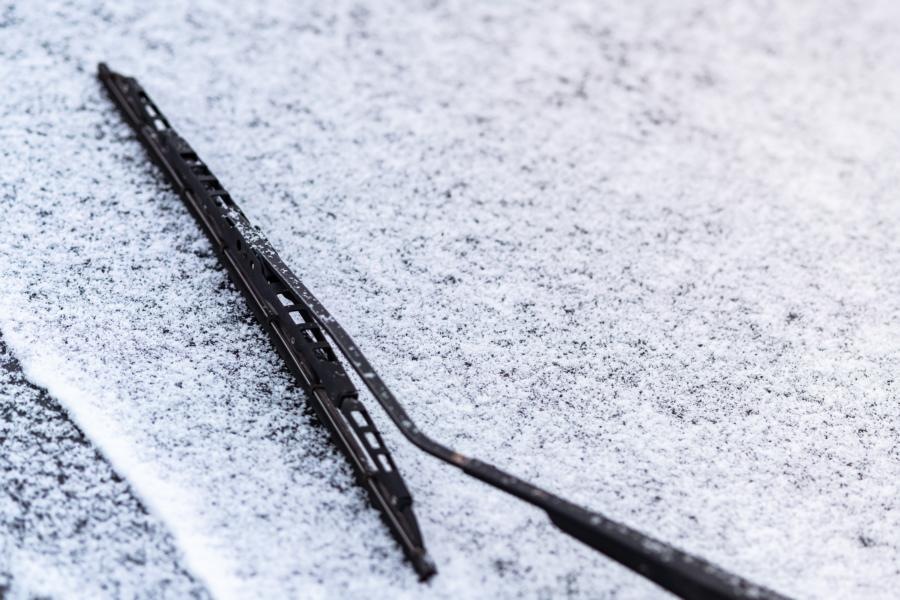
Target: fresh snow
[642,254]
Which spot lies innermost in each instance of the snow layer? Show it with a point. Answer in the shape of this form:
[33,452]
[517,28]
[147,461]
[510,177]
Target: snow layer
[69,523]
[644,255]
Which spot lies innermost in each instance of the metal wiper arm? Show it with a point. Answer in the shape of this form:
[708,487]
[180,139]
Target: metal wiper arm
[279,298]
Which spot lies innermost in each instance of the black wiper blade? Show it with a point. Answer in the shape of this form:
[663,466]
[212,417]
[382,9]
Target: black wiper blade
[273,294]
[298,323]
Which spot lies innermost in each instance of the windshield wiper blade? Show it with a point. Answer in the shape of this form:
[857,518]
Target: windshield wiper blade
[271,291]
[300,328]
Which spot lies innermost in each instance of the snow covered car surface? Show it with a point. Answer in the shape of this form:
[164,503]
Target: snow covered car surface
[643,255]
